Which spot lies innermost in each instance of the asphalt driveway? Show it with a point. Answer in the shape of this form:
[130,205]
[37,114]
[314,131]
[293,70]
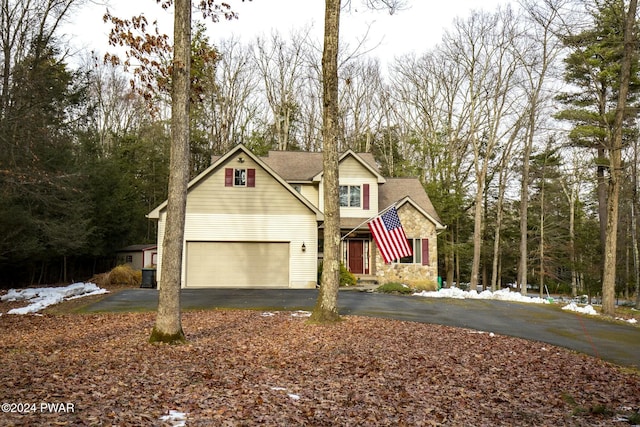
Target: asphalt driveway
[615,342]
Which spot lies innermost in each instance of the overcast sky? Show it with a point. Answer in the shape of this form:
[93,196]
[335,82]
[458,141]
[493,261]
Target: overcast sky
[415,29]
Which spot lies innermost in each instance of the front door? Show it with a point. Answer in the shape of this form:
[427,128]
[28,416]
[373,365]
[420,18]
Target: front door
[356,256]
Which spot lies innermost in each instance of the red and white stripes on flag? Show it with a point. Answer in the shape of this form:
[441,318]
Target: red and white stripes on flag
[389,236]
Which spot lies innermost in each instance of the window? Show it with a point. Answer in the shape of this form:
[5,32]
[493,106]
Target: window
[239,177]
[420,252]
[416,258]
[350,196]
[129,258]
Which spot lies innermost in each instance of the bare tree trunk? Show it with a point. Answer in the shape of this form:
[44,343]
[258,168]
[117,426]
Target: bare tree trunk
[168,326]
[477,234]
[449,259]
[572,246]
[541,240]
[502,186]
[634,226]
[636,257]
[326,308]
[524,212]
[615,169]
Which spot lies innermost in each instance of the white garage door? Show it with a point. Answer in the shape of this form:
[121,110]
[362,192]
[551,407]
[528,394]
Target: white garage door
[237,264]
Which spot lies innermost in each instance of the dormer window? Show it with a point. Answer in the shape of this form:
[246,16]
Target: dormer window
[350,196]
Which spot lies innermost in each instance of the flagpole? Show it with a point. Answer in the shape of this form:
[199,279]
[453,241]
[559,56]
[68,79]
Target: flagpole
[369,219]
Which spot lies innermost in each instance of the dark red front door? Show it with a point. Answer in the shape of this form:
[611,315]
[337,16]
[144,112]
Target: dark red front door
[356,258]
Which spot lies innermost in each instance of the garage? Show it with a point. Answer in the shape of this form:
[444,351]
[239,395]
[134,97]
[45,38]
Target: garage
[237,264]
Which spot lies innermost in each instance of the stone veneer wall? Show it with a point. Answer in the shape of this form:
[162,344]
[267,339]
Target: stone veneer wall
[415,226]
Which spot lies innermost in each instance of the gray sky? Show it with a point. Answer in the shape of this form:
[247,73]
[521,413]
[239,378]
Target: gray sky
[415,29]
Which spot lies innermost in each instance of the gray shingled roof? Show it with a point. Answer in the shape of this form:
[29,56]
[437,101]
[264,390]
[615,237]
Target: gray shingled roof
[302,165]
[396,189]
[294,165]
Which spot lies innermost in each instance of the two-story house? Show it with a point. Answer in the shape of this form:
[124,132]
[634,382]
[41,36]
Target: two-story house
[258,221]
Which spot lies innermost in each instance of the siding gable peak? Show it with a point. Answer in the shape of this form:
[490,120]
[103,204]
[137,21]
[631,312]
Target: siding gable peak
[238,152]
[351,154]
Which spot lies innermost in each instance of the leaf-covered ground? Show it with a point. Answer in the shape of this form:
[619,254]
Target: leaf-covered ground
[247,368]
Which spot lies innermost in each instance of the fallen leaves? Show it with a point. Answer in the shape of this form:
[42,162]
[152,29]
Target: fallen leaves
[245,368]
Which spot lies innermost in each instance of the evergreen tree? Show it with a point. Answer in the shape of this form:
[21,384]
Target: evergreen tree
[593,66]
[44,209]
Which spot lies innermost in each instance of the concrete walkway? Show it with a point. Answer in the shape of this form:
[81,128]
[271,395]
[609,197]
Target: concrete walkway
[615,342]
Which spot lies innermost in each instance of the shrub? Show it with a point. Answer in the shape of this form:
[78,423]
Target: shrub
[121,275]
[394,288]
[347,278]
[423,285]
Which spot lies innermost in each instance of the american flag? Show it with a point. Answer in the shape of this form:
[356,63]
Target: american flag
[389,235]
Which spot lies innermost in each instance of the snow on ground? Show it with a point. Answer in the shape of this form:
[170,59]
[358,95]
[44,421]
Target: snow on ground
[175,418]
[40,298]
[502,295]
[507,295]
[587,309]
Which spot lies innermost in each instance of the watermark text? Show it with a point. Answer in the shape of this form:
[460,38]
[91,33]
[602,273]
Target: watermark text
[40,407]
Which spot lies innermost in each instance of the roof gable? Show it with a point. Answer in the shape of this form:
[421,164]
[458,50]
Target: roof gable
[368,164]
[400,191]
[239,151]
[303,166]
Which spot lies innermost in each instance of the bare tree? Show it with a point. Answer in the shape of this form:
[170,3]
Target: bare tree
[615,163]
[427,92]
[539,53]
[326,308]
[483,46]
[571,187]
[168,326]
[504,176]
[118,108]
[233,103]
[21,23]
[360,103]
[281,63]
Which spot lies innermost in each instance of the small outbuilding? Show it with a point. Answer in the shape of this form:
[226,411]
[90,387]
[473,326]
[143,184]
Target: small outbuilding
[138,256]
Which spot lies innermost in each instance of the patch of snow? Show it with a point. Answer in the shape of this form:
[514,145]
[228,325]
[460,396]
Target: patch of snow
[291,395]
[268,314]
[501,295]
[587,309]
[632,321]
[175,418]
[40,298]
[301,313]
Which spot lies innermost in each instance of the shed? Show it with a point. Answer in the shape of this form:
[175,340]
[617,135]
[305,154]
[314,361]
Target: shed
[138,256]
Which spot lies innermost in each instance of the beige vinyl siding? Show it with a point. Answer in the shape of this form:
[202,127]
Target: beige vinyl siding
[310,192]
[267,197]
[351,168]
[294,229]
[161,224]
[353,172]
[266,213]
